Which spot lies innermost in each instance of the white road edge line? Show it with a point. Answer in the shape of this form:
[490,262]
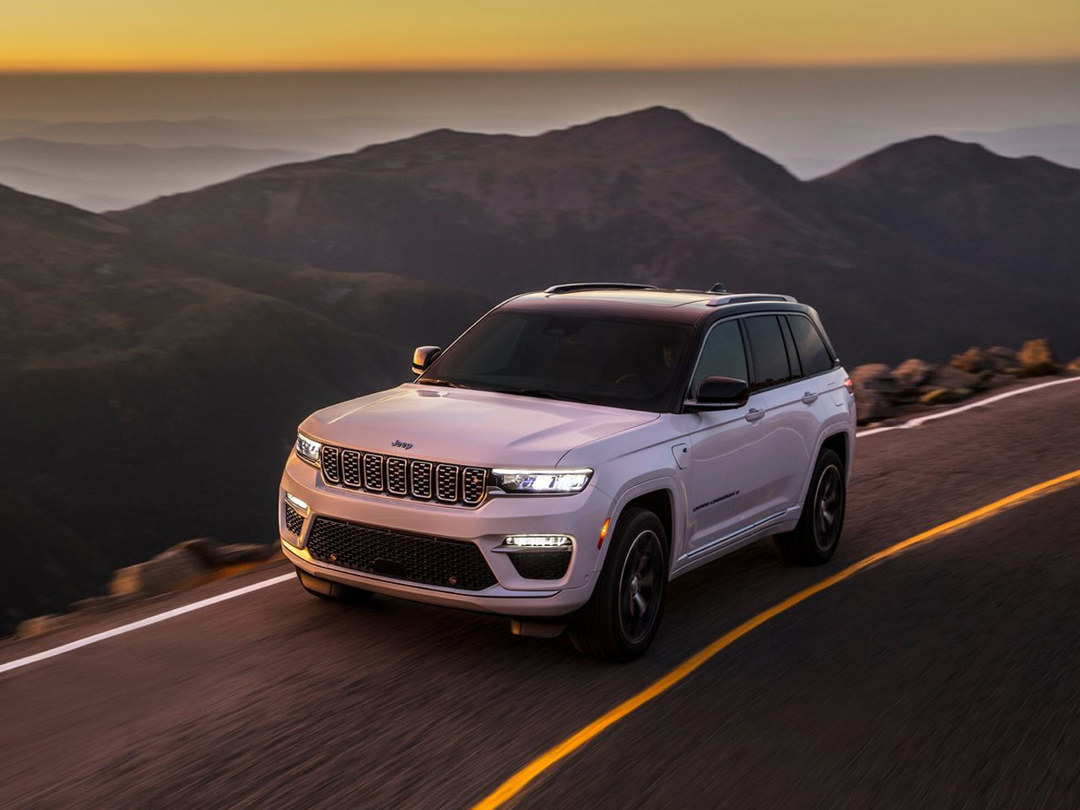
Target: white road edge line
[141,623]
[920,420]
[223,597]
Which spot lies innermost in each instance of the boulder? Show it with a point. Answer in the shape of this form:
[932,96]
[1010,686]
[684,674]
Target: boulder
[954,379]
[185,565]
[1037,358]
[1003,360]
[997,380]
[40,625]
[875,390]
[944,396]
[1074,366]
[973,361]
[912,373]
[177,568]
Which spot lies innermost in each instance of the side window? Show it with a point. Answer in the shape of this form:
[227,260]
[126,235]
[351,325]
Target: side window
[722,355]
[768,351]
[812,351]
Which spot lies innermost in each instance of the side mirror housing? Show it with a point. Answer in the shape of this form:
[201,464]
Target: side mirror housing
[423,357]
[717,393]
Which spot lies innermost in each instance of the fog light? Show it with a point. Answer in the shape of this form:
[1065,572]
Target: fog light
[537,542]
[299,504]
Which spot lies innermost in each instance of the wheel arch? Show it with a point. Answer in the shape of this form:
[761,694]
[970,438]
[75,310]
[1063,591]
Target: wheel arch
[657,497]
[839,441]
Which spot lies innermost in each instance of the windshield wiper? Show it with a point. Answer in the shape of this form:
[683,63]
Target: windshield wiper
[541,393]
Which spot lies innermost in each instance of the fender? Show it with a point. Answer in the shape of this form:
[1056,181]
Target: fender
[662,483]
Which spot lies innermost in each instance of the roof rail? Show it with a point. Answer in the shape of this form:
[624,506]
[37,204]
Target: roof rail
[746,298]
[598,285]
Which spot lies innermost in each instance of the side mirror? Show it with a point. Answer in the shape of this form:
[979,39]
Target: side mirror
[423,357]
[721,392]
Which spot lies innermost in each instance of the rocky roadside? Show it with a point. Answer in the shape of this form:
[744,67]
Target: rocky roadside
[883,393]
[185,565]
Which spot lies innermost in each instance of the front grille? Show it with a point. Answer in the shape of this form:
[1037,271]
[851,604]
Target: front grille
[294,521]
[541,564]
[404,477]
[409,557]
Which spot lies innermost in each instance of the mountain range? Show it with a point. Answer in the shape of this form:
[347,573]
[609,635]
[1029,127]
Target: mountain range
[161,356]
[152,391]
[97,177]
[916,249]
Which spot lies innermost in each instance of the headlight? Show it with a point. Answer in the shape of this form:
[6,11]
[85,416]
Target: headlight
[552,482]
[308,449]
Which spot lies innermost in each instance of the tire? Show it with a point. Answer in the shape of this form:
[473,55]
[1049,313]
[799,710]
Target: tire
[620,620]
[331,591]
[815,539]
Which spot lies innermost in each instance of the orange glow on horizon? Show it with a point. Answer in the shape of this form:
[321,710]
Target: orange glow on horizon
[241,35]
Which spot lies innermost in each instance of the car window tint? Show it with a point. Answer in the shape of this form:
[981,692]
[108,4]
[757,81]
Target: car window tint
[722,355]
[813,353]
[767,350]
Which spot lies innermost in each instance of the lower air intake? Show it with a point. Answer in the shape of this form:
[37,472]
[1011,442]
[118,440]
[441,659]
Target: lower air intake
[409,557]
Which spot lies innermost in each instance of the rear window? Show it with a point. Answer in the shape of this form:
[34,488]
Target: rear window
[813,353]
[768,351]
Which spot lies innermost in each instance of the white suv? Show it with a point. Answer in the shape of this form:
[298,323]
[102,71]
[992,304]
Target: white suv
[571,453]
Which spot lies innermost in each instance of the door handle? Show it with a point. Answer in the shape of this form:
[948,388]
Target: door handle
[809,398]
[754,414]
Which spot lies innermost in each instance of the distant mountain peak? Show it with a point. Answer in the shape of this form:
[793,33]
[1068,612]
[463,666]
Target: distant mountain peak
[931,153]
[655,121]
[940,160]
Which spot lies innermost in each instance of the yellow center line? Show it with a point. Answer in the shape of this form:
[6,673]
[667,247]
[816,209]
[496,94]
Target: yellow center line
[520,780]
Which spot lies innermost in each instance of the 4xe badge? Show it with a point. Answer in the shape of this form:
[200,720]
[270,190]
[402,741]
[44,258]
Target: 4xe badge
[401,444]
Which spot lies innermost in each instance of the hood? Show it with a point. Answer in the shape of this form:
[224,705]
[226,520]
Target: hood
[482,428]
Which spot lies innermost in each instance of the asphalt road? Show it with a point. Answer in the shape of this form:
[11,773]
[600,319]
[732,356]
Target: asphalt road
[947,676]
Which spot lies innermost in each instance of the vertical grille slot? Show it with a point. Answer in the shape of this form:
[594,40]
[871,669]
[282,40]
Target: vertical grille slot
[396,476]
[350,468]
[421,480]
[473,481]
[446,482]
[331,464]
[373,473]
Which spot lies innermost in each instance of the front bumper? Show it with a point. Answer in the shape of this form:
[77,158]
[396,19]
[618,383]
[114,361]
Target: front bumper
[580,515]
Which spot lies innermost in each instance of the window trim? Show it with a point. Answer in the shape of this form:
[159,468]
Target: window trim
[785,329]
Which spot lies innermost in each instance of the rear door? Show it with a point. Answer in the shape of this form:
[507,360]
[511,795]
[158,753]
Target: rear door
[786,427]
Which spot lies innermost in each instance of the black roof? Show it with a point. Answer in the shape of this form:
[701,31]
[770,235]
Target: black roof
[650,303]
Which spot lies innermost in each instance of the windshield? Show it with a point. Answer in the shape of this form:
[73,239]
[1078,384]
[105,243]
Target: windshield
[619,363]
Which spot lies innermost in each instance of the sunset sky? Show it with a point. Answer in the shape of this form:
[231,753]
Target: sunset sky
[76,35]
